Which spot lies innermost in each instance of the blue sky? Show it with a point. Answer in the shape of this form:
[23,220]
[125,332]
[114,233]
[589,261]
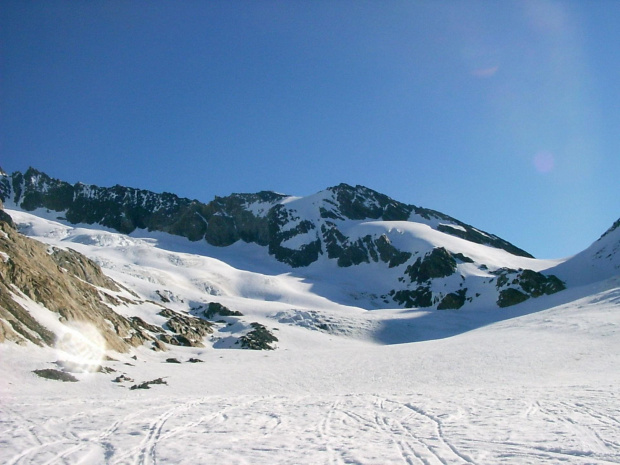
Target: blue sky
[505,115]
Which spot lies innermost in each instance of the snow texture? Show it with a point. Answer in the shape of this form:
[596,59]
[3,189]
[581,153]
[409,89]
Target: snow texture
[532,384]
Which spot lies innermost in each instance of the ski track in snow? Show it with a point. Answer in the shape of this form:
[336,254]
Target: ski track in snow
[525,428]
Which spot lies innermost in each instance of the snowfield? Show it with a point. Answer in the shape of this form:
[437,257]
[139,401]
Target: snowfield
[530,384]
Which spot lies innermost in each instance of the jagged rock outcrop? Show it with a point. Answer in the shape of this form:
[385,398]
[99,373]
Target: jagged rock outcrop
[216,308]
[439,263]
[516,286]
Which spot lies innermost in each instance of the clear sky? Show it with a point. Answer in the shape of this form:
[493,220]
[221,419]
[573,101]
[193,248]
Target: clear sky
[505,115]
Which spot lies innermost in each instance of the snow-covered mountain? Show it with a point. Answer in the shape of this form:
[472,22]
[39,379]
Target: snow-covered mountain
[297,230]
[297,258]
[354,377]
[397,254]
[596,263]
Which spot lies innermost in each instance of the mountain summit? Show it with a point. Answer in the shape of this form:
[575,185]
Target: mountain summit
[265,218]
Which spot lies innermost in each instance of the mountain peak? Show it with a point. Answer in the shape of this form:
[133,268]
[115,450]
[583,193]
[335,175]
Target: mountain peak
[262,218]
[420,257]
[613,227]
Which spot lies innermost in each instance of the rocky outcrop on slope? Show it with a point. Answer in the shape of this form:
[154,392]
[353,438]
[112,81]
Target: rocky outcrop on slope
[187,330]
[516,286]
[430,281]
[259,338]
[60,281]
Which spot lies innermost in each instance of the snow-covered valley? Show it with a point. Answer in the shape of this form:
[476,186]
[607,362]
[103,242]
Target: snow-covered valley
[349,381]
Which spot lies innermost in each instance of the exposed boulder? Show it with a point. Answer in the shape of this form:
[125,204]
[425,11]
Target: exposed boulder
[148,384]
[216,308]
[511,296]
[51,373]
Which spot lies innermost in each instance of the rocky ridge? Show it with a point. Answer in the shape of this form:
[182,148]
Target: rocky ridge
[265,218]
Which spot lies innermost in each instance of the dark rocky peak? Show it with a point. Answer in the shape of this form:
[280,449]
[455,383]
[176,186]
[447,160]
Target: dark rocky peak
[33,188]
[614,226]
[258,203]
[360,203]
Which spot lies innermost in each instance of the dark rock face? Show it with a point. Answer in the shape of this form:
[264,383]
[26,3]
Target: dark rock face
[473,235]
[281,230]
[359,203]
[411,298]
[516,286]
[439,263]
[453,300]
[221,222]
[363,250]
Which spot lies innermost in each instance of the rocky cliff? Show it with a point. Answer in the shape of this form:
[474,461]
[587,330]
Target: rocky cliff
[63,285]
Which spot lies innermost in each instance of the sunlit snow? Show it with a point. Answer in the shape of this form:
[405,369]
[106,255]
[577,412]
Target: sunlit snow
[530,384]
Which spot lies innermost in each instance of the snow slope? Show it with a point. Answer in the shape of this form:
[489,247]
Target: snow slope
[597,262]
[534,383]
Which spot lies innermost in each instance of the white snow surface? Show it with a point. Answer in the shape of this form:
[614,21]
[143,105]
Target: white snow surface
[530,384]
[600,260]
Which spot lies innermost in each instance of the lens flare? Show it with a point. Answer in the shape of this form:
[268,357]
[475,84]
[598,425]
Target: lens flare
[485,72]
[81,348]
[544,162]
